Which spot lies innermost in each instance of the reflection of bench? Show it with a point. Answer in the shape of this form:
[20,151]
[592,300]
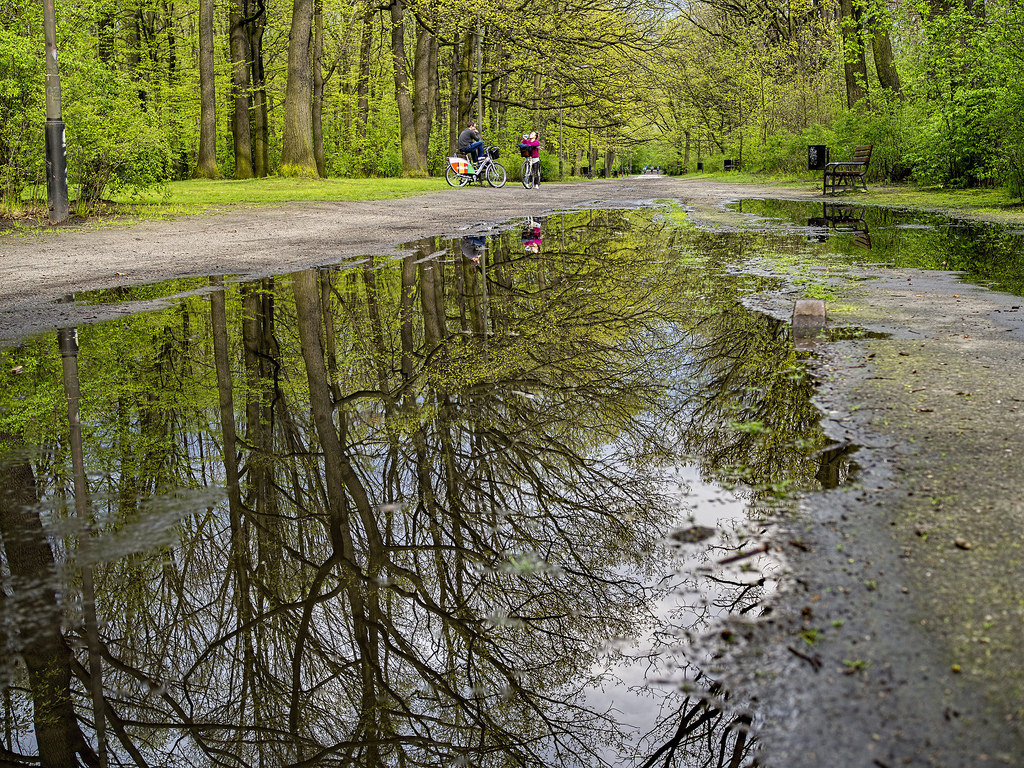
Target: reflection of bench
[842,218]
[848,173]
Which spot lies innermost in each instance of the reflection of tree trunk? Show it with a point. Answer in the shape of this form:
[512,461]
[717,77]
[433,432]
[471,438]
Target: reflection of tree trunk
[260,357]
[472,280]
[340,475]
[342,484]
[407,330]
[239,545]
[238,558]
[433,330]
[47,656]
[833,460]
[330,333]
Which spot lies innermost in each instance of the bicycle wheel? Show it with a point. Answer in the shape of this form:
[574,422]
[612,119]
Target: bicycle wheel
[496,175]
[526,175]
[454,178]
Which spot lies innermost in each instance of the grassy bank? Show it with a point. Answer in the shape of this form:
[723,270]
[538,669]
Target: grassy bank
[991,204]
[202,195]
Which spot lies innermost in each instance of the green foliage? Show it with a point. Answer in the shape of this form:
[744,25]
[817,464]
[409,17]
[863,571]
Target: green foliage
[954,146]
[755,84]
[21,108]
[112,140]
[886,128]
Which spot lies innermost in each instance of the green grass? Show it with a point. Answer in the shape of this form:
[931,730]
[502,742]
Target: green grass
[199,194]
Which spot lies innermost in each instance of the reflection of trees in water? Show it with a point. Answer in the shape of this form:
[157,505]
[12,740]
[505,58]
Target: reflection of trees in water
[701,730]
[443,490]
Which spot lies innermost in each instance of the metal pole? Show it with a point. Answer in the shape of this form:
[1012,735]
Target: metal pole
[56,147]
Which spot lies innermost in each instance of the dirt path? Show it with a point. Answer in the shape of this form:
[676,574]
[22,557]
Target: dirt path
[908,582]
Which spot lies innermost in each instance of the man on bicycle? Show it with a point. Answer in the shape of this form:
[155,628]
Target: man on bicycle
[471,143]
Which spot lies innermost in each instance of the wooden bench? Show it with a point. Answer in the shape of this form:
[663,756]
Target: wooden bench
[847,174]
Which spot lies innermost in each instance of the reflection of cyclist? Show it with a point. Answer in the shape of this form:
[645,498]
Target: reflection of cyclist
[471,143]
[532,236]
[473,248]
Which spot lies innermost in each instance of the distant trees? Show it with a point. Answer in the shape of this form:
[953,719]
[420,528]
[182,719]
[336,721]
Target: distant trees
[156,90]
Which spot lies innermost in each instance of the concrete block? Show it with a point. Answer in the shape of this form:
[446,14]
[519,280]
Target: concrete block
[808,318]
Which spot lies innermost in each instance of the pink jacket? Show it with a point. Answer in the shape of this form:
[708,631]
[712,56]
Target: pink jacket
[535,143]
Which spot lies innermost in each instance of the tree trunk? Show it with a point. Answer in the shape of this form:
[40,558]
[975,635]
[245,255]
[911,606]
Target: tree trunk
[425,65]
[261,124]
[454,114]
[465,80]
[855,67]
[318,89]
[297,158]
[241,80]
[885,64]
[365,49]
[411,165]
[498,85]
[206,167]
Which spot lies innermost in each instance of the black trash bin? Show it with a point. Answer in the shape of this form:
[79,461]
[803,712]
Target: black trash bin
[817,157]
[727,165]
[700,167]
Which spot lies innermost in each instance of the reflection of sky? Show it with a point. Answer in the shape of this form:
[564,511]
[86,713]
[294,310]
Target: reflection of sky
[639,679]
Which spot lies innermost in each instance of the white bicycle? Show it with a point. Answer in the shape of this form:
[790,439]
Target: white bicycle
[530,172]
[460,171]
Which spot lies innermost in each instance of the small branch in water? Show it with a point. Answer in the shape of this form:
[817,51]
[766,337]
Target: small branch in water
[814,661]
[744,555]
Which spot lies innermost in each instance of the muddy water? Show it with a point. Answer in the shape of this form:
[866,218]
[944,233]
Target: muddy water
[478,505]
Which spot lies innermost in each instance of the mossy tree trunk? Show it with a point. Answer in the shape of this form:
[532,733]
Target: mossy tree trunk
[297,157]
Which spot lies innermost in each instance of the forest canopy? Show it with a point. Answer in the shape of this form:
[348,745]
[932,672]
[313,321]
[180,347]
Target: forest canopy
[158,90]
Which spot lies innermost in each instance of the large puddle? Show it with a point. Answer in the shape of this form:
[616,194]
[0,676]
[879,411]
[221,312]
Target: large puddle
[984,253]
[478,506]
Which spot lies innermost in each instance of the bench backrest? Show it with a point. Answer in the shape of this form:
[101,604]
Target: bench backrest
[862,154]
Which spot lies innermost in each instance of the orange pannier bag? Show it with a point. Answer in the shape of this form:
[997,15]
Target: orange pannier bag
[459,164]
